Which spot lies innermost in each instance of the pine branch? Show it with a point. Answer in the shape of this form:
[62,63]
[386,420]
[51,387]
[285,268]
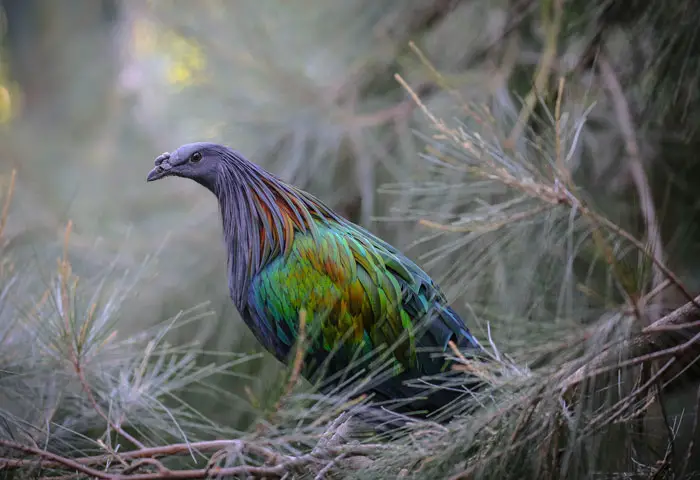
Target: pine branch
[276,465]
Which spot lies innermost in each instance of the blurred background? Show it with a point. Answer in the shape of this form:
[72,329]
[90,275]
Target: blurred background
[91,91]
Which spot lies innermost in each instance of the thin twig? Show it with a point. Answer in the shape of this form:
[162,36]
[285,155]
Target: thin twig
[93,401]
[626,124]
[322,473]
[579,376]
[543,71]
[178,449]
[642,248]
[696,429]
[268,455]
[610,414]
[563,172]
[64,279]
[57,459]
[679,319]
[144,461]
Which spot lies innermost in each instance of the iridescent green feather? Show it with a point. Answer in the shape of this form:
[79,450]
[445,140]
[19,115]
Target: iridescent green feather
[350,291]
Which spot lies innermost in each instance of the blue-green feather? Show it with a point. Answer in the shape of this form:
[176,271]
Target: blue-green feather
[396,295]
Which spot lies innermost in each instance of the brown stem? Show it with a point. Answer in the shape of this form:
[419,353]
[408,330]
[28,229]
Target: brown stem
[680,318]
[56,459]
[91,397]
[280,464]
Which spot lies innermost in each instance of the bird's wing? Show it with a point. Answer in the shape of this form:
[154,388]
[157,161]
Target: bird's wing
[357,294]
[436,323]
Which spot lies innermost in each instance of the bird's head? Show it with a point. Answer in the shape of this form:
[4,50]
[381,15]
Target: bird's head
[197,161]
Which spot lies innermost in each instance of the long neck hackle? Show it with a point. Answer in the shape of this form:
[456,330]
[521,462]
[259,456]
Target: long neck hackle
[260,215]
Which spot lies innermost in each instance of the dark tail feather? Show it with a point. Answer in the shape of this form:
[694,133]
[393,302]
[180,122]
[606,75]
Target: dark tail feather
[449,326]
[433,390]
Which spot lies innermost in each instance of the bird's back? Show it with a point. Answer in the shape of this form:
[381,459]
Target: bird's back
[368,305]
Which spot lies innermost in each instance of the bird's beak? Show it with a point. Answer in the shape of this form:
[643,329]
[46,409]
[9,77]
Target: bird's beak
[157,173]
[162,168]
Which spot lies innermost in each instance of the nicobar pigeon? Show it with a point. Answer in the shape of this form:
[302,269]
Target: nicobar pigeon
[287,251]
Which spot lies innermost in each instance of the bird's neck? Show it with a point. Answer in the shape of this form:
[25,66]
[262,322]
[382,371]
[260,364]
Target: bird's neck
[241,234]
[261,215]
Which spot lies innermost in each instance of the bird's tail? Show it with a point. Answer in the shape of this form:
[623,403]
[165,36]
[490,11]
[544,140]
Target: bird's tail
[433,387]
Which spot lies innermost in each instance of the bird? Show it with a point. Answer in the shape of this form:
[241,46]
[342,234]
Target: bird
[289,252]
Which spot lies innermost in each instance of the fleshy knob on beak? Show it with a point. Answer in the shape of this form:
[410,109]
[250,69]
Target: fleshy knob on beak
[161,168]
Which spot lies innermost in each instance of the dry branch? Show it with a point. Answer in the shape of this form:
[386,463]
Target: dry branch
[273,465]
[644,347]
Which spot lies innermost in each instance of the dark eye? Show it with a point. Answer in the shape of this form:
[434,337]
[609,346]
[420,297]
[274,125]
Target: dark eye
[196,157]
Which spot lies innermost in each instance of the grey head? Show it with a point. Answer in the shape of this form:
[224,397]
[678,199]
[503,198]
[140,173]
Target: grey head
[197,161]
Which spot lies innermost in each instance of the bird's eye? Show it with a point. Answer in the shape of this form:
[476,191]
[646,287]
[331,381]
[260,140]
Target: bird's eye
[196,157]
